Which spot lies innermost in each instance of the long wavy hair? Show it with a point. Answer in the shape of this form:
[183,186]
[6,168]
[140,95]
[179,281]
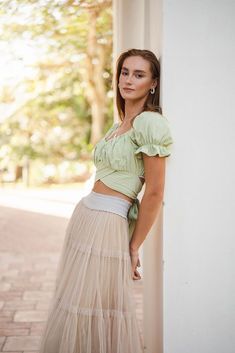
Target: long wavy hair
[152,101]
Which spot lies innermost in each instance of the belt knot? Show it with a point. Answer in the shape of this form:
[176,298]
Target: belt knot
[132,215]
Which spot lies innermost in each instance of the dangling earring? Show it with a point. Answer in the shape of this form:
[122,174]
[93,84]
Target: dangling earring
[152,90]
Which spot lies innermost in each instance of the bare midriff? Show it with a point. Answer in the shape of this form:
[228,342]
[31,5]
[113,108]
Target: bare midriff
[100,187]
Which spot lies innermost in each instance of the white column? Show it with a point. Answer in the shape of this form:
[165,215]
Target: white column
[196,50]
[198,88]
[128,29]
[137,24]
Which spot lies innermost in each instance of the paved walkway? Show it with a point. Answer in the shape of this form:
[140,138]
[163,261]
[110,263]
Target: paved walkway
[30,245]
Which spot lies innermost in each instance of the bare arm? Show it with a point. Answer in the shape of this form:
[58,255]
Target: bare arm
[152,199]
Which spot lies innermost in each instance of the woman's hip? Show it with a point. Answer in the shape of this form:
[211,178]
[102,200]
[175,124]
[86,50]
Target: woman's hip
[108,203]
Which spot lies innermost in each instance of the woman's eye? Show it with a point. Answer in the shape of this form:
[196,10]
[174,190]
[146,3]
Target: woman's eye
[137,75]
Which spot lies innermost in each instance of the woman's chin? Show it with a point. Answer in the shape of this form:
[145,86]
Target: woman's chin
[129,96]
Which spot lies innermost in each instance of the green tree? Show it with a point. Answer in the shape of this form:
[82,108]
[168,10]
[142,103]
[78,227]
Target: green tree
[60,109]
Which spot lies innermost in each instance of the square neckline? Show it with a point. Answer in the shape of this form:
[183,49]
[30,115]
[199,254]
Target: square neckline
[124,133]
[115,137]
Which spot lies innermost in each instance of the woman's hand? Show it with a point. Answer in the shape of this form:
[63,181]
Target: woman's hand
[135,262]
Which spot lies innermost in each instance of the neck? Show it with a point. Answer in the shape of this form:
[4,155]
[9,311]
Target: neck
[133,108]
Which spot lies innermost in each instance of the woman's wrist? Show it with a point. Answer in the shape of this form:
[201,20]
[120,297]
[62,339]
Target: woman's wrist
[133,248]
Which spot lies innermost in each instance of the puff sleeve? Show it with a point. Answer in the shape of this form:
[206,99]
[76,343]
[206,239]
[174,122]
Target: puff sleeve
[152,134]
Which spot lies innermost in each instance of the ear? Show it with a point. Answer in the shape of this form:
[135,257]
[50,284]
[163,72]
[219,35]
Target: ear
[154,83]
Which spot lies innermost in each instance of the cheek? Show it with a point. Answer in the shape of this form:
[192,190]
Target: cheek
[121,78]
[142,85]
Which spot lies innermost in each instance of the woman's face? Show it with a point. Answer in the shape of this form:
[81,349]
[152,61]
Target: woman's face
[135,75]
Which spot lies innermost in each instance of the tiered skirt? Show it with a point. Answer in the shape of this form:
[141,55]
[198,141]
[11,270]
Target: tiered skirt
[93,309]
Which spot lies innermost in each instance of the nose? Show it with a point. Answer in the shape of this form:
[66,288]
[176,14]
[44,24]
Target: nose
[128,79]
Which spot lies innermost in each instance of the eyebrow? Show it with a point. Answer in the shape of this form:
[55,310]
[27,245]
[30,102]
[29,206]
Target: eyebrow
[125,68]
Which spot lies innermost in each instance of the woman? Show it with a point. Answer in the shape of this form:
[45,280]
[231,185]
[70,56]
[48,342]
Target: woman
[92,310]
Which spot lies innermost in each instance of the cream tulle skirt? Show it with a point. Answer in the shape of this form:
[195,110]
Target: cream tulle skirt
[92,309]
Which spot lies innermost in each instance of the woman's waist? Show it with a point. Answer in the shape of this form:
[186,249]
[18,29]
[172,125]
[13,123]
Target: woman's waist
[101,187]
[110,203]
[126,183]
[113,203]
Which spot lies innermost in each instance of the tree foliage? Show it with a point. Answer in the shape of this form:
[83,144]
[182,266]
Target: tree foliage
[60,107]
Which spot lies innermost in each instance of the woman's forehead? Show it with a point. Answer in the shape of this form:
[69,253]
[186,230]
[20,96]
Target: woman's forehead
[136,63]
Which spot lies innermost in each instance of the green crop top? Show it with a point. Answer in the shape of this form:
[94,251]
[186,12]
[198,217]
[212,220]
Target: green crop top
[119,161]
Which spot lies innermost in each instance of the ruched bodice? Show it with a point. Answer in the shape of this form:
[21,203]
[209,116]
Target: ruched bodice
[119,161]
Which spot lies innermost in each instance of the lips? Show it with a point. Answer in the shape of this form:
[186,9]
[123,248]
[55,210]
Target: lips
[128,89]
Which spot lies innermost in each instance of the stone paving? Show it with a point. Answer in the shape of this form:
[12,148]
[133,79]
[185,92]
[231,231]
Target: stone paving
[30,245]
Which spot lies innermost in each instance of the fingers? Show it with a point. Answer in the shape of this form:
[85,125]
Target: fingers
[136,275]
[135,263]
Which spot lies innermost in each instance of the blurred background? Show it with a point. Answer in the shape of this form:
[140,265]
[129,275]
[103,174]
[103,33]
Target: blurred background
[56,90]
[56,101]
